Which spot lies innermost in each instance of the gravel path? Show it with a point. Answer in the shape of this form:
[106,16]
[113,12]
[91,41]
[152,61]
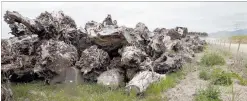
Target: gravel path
[239,92]
[186,89]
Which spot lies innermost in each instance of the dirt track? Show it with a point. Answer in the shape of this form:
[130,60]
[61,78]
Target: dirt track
[187,88]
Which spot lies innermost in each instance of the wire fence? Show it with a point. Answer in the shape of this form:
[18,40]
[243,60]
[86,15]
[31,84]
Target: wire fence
[238,51]
[237,46]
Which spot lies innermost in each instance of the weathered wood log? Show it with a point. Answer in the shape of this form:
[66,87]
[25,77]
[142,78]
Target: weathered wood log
[55,25]
[112,78]
[108,37]
[58,43]
[110,43]
[130,73]
[182,30]
[33,25]
[142,80]
[93,58]
[6,93]
[139,35]
[53,57]
[132,56]
[171,63]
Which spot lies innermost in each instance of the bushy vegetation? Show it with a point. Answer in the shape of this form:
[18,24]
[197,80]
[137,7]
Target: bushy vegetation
[209,94]
[212,58]
[220,77]
[242,81]
[204,75]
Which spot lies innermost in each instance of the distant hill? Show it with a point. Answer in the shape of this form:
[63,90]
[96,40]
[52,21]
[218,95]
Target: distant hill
[223,34]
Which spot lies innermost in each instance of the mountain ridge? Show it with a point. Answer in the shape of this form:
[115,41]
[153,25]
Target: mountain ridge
[228,33]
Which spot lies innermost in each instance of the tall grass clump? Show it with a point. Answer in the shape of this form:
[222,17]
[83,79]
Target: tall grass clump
[242,81]
[204,75]
[209,94]
[220,77]
[211,59]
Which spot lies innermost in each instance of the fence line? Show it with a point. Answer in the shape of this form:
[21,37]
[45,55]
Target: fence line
[238,58]
[240,46]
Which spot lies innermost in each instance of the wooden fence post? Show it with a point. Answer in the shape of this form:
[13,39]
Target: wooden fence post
[238,45]
[230,45]
[224,43]
[220,42]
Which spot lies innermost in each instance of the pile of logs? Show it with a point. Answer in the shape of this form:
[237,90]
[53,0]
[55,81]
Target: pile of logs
[51,48]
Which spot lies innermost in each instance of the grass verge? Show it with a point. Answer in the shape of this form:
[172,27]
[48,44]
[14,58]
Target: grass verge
[209,94]
[86,92]
[212,58]
[38,91]
[204,75]
[220,77]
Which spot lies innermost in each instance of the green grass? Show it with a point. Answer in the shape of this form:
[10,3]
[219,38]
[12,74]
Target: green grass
[169,82]
[209,94]
[242,81]
[212,58]
[220,77]
[204,75]
[157,88]
[86,92]
[90,92]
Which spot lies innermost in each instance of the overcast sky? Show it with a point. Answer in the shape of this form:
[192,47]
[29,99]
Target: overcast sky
[197,16]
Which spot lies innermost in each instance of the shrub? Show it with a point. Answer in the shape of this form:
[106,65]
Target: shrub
[242,81]
[204,75]
[210,59]
[220,77]
[209,94]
